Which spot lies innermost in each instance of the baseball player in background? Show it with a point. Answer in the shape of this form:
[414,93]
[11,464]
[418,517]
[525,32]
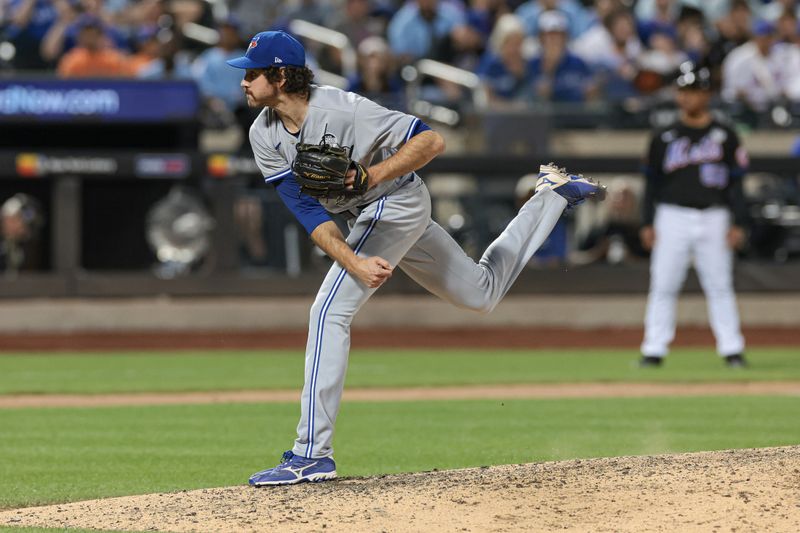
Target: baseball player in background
[694,173]
[390,225]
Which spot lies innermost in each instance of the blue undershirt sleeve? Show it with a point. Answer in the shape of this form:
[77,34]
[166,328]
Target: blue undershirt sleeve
[419,127]
[307,210]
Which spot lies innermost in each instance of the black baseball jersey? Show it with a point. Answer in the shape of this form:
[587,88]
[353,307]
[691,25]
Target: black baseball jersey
[695,167]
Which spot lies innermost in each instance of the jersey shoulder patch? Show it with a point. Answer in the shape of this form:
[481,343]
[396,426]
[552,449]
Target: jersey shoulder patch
[742,158]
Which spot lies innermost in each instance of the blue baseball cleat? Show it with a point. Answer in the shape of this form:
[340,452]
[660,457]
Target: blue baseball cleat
[295,469]
[575,189]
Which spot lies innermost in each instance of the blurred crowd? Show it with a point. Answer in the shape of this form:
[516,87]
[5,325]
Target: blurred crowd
[564,51]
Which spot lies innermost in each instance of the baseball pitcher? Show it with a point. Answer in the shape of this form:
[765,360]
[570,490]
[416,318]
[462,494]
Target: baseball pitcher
[330,151]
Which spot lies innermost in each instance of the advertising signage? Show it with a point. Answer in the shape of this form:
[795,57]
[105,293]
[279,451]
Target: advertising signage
[53,100]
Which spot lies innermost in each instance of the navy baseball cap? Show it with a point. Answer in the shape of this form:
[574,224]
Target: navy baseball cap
[271,49]
[762,28]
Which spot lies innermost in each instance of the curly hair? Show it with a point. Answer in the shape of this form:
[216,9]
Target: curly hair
[298,79]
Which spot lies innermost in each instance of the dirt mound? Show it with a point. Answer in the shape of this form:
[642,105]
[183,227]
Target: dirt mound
[741,490]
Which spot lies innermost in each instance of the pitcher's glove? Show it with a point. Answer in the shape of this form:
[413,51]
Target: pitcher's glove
[321,169]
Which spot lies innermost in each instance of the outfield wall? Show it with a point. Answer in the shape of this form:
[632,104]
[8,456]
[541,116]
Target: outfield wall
[390,311]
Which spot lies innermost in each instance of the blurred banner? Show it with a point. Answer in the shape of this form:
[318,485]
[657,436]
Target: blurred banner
[102,100]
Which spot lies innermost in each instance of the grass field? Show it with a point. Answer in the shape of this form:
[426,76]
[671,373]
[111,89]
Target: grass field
[60,454]
[202,371]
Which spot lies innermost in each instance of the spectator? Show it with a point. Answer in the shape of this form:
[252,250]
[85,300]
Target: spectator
[26,24]
[663,18]
[425,28]
[313,11]
[117,10]
[613,50]
[761,73]
[774,9]
[356,21]
[482,15]
[377,77]
[615,238]
[717,10]
[503,68]
[578,19]
[692,36]
[734,30]
[147,49]
[256,15]
[646,10]
[219,84]
[659,61]
[172,61]
[556,74]
[63,35]
[92,57]
[320,13]
[600,10]
[144,13]
[21,222]
[191,11]
[787,27]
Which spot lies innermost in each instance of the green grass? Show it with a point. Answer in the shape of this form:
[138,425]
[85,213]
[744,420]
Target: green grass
[199,371]
[59,455]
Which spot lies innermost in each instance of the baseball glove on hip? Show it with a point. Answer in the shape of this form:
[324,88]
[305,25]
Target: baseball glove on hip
[321,169]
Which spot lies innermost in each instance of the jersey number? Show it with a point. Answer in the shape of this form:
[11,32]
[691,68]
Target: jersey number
[714,175]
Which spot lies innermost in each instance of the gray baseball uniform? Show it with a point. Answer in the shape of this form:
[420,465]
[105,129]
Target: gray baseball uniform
[393,221]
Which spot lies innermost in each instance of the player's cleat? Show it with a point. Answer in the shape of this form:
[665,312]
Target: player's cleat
[574,188]
[295,469]
[648,361]
[735,361]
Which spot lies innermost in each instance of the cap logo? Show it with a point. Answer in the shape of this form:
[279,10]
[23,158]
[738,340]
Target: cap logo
[253,44]
[278,60]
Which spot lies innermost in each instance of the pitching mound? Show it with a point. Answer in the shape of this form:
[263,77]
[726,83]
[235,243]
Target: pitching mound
[742,490]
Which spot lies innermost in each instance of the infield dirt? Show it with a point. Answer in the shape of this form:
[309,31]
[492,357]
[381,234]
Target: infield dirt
[738,490]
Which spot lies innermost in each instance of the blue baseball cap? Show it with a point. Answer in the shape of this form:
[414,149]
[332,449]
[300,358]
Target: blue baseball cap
[89,21]
[763,28]
[271,49]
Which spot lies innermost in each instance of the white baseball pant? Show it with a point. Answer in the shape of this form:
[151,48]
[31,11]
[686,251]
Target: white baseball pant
[687,236]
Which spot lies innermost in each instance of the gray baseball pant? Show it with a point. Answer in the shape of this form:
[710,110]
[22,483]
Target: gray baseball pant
[398,228]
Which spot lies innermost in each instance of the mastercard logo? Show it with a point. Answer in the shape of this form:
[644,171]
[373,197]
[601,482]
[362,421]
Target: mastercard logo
[219,165]
[28,165]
